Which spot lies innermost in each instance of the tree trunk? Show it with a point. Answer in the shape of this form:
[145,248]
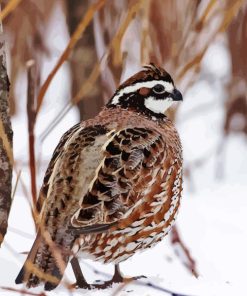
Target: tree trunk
[6,136]
[83,60]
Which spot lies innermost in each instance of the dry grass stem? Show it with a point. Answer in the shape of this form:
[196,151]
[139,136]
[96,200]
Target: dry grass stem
[31,113]
[57,119]
[12,4]
[16,184]
[229,14]
[26,194]
[116,43]
[95,73]
[190,264]
[21,233]
[144,284]
[73,40]
[205,14]
[23,291]
[145,38]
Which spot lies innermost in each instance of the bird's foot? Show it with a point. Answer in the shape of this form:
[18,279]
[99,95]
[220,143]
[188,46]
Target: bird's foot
[116,279]
[80,285]
[80,280]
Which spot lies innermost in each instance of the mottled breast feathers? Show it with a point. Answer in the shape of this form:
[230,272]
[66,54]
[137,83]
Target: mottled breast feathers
[128,156]
[98,173]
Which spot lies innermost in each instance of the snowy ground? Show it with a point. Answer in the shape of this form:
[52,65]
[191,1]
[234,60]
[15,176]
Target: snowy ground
[212,218]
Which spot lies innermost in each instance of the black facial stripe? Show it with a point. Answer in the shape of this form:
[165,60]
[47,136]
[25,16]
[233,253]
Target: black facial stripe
[134,101]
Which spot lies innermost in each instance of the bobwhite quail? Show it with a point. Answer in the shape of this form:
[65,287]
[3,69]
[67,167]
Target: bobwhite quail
[113,185]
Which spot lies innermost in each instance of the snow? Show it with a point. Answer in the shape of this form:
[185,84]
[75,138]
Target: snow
[212,218]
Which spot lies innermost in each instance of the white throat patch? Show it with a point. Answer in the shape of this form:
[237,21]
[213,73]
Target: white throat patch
[158,106]
[133,88]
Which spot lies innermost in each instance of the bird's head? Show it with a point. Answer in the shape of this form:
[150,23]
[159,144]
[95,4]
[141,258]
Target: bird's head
[150,92]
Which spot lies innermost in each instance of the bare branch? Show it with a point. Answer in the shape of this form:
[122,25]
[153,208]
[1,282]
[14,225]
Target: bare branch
[75,37]
[86,87]
[189,263]
[22,291]
[228,16]
[6,138]
[31,113]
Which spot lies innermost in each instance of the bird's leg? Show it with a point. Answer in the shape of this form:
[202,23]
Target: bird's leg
[80,280]
[117,278]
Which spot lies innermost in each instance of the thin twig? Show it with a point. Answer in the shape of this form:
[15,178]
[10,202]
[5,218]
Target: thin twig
[190,264]
[205,14]
[116,44]
[20,232]
[23,291]
[12,4]
[149,285]
[24,188]
[89,83]
[16,184]
[159,288]
[228,17]
[74,38]
[31,123]
[57,119]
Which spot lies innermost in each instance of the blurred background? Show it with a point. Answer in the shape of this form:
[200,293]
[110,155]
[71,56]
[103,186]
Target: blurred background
[80,50]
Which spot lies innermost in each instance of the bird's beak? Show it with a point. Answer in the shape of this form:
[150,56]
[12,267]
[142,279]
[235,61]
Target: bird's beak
[176,95]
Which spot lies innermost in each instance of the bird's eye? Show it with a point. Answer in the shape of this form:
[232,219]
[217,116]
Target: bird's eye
[159,89]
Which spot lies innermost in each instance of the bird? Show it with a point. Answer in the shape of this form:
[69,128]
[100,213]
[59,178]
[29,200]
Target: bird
[113,185]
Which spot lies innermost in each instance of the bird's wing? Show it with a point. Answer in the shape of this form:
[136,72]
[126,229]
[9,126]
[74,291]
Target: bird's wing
[72,167]
[59,198]
[131,159]
[56,154]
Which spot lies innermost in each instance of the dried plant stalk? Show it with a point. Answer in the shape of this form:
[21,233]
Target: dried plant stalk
[6,143]
[186,257]
[95,73]
[205,14]
[26,32]
[74,39]
[23,291]
[116,44]
[12,4]
[113,48]
[31,112]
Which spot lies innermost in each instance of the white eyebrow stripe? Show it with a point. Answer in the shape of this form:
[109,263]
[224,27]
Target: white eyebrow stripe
[149,84]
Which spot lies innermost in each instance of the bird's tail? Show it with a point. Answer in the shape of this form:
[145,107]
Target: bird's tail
[44,264]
